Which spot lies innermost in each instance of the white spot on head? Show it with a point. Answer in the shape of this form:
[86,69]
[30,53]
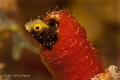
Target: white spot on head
[57,16]
[48,36]
[52,16]
[57,30]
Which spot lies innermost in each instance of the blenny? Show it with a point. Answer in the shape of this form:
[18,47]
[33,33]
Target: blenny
[65,49]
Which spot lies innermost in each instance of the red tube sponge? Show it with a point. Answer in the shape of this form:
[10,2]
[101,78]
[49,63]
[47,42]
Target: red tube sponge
[72,57]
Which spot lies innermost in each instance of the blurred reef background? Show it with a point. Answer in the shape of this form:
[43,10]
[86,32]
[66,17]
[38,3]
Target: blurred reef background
[19,51]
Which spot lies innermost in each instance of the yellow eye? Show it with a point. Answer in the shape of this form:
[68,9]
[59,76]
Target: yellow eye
[38,27]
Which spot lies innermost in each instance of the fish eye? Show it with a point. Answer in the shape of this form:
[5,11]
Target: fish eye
[37,27]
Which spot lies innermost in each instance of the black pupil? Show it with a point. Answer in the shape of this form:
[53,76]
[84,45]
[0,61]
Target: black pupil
[37,27]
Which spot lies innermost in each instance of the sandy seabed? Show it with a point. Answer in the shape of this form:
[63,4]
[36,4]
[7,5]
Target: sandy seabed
[109,74]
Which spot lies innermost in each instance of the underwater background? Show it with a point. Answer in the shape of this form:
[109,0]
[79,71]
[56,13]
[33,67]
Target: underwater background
[19,51]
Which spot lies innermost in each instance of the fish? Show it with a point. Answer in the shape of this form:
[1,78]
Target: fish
[65,49]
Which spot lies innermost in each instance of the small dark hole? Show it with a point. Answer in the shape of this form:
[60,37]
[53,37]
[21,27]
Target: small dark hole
[53,22]
[37,27]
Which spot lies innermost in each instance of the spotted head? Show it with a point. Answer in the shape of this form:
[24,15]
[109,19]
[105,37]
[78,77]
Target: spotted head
[45,32]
